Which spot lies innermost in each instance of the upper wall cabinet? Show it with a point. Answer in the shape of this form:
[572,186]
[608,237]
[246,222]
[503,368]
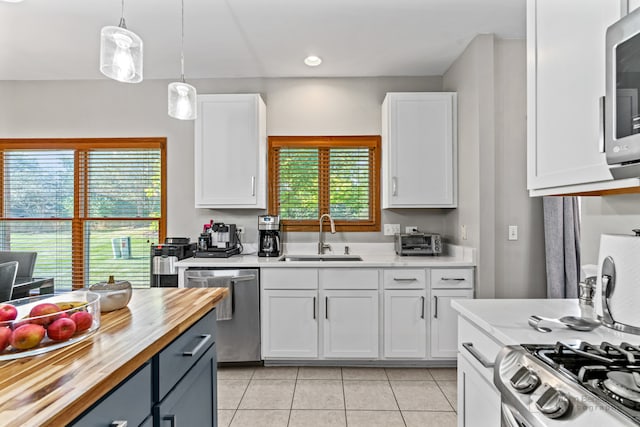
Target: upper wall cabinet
[565,81]
[230,152]
[419,158]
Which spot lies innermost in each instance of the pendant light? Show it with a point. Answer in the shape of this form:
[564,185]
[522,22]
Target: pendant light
[121,53]
[182,96]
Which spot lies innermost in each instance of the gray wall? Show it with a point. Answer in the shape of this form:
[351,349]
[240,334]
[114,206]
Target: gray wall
[490,80]
[337,106]
[606,215]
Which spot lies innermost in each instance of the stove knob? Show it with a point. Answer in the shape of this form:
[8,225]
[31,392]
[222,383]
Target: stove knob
[525,380]
[553,403]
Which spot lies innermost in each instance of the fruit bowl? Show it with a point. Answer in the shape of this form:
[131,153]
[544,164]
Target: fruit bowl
[36,325]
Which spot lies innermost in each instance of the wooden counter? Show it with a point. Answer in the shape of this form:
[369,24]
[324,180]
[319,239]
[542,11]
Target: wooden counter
[52,389]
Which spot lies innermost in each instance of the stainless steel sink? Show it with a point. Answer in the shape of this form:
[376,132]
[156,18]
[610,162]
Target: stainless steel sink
[310,258]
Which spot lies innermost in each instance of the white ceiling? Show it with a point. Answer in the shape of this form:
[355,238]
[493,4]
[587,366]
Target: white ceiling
[59,39]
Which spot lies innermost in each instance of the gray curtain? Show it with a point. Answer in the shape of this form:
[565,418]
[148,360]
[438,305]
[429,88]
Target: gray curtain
[562,246]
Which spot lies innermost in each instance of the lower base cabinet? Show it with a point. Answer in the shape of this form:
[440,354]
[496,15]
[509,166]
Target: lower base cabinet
[405,324]
[444,322]
[176,387]
[478,399]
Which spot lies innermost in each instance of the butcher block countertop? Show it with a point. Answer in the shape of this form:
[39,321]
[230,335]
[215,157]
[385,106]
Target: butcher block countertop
[54,388]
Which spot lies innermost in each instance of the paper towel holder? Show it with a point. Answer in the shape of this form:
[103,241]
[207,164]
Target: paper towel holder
[608,287]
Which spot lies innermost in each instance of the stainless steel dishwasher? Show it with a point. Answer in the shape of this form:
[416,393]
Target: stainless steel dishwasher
[238,325]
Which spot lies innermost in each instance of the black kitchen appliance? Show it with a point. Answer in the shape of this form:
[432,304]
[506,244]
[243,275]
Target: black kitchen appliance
[218,240]
[163,258]
[570,384]
[269,235]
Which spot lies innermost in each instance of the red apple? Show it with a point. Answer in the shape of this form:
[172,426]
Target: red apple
[61,329]
[5,337]
[8,312]
[42,310]
[27,336]
[83,320]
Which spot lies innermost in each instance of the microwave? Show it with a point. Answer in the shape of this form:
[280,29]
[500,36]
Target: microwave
[418,244]
[622,100]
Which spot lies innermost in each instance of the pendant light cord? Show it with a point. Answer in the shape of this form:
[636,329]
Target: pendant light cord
[181,44]
[122,24]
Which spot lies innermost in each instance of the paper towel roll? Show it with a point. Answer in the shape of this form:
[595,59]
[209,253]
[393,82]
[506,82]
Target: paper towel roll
[625,300]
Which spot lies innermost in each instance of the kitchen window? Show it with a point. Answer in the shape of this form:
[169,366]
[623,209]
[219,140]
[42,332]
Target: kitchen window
[89,207]
[313,175]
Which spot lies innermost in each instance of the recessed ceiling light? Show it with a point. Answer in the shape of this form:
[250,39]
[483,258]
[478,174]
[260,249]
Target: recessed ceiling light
[313,61]
[12,1]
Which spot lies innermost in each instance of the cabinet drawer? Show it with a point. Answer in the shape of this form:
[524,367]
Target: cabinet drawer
[178,357]
[342,278]
[289,278]
[130,401]
[405,279]
[452,278]
[484,347]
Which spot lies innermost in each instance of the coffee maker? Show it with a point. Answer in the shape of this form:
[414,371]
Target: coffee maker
[268,235]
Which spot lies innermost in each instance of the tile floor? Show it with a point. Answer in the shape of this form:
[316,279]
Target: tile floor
[328,396]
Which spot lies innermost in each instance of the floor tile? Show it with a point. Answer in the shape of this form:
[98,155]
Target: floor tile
[230,392]
[364,374]
[447,374]
[430,419]
[420,396]
[268,394]
[319,373]
[225,416]
[262,418]
[276,373]
[317,418]
[318,394]
[450,390]
[409,374]
[372,395]
[374,419]
[235,373]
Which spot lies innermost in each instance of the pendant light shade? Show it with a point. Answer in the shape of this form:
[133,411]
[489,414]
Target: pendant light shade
[121,53]
[182,96]
[182,101]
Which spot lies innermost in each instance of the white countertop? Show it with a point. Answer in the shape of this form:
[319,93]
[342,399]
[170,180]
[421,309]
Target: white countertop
[373,255]
[506,320]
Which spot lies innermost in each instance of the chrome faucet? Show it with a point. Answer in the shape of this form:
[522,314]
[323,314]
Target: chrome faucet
[321,244]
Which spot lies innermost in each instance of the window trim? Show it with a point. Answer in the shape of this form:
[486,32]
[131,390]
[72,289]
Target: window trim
[82,146]
[372,142]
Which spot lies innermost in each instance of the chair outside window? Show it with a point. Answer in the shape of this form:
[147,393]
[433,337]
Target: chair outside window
[8,271]
[26,261]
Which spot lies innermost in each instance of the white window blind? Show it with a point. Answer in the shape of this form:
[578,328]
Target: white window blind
[88,212]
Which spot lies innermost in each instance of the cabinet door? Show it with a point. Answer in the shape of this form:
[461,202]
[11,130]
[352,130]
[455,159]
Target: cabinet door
[405,325]
[230,152]
[193,400]
[419,150]
[478,400]
[444,322]
[289,324]
[564,85]
[350,327]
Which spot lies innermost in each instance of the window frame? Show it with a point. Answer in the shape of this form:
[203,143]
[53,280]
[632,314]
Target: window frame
[372,142]
[81,147]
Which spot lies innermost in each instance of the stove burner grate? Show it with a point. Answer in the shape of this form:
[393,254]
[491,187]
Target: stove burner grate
[623,387]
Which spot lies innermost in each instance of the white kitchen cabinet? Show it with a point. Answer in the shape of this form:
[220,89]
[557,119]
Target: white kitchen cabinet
[444,322]
[419,142]
[230,152]
[405,324]
[633,5]
[289,324]
[350,324]
[564,86]
[478,399]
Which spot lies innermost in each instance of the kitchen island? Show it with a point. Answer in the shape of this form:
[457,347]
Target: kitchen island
[55,388]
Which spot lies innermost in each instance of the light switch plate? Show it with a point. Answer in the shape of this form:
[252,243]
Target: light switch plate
[513,232]
[391,229]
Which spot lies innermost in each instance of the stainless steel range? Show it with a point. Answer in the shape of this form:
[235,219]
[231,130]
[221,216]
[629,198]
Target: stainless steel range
[570,385]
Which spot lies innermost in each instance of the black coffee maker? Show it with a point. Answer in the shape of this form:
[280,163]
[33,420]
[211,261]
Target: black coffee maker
[268,235]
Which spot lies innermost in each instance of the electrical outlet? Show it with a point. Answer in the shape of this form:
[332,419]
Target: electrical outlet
[513,232]
[391,229]
[411,229]
[240,230]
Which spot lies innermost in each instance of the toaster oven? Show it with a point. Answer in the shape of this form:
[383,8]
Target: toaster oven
[418,244]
